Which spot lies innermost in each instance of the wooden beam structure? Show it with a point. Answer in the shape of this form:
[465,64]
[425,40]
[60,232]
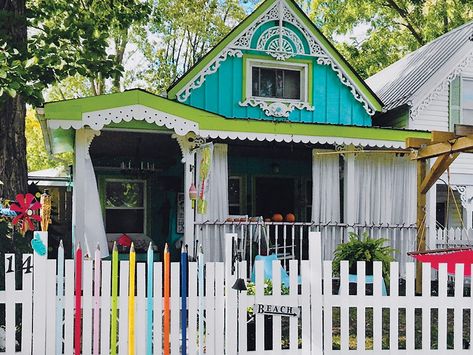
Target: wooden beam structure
[421,215]
[441,136]
[456,145]
[416,143]
[446,147]
[440,166]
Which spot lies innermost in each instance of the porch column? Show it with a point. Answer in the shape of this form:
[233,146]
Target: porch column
[83,139]
[186,143]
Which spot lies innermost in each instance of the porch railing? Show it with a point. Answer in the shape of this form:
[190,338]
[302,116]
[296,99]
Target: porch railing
[289,241]
[454,237]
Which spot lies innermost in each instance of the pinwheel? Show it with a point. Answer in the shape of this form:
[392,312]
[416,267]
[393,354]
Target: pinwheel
[24,207]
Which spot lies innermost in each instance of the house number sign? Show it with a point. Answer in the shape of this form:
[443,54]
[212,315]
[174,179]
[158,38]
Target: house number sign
[273,310]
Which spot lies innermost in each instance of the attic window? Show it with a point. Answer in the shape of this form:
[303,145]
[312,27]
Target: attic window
[278,83]
[281,82]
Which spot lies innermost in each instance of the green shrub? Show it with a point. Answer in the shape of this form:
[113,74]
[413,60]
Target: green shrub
[363,248]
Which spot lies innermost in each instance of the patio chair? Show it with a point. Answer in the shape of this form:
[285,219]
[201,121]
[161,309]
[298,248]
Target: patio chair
[268,270]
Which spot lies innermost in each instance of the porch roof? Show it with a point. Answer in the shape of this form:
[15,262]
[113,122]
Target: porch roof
[138,109]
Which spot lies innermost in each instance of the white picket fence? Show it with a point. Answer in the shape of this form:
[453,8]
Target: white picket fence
[336,316]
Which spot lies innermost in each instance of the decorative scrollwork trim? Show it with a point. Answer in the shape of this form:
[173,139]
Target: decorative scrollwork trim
[211,68]
[444,85]
[345,81]
[277,108]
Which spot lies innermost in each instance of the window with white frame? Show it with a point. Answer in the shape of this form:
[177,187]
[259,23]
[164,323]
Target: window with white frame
[467,101]
[277,81]
[125,206]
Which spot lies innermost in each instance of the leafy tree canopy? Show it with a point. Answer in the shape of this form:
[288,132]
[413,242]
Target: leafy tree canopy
[393,27]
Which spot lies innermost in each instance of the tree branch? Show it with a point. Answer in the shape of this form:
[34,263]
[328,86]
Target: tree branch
[405,16]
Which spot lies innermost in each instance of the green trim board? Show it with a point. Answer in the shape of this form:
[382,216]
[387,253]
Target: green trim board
[73,110]
[345,66]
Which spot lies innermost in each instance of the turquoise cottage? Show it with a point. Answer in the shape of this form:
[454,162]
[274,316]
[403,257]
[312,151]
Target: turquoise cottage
[268,135]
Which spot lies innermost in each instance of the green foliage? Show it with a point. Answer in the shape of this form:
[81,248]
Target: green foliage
[268,288]
[363,248]
[179,33]
[11,241]
[394,27]
[36,154]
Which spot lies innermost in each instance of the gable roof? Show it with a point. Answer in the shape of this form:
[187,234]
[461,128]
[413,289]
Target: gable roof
[192,74]
[396,84]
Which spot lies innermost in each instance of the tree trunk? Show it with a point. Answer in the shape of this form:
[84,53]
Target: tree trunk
[13,170]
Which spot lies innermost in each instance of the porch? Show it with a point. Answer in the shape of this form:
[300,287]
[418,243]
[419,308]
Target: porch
[142,191]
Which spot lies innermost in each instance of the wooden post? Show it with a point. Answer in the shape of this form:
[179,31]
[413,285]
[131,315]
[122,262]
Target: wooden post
[421,216]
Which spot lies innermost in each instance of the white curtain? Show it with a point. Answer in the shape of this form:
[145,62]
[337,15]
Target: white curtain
[94,229]
[385,189]
[217,197]
[325,188]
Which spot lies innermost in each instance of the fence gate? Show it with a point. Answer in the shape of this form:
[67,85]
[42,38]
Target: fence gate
[273,315]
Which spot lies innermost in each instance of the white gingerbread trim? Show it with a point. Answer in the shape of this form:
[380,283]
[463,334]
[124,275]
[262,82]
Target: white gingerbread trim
[99,119]
[277,108]
[346,81]
[211,68]
[441,87]
[279,12]
[288,138]
[279,47]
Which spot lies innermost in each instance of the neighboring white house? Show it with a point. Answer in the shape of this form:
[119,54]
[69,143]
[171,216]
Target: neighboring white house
[432,89]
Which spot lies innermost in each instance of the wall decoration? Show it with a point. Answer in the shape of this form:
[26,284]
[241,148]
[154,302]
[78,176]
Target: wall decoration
[180,213]
[277,108]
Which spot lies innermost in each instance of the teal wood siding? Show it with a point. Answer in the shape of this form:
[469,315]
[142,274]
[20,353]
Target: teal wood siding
[333,102]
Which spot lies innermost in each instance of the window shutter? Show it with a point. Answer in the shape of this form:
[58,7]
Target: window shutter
[455,104]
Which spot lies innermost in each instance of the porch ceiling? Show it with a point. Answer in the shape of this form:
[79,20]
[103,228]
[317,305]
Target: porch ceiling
[137,109]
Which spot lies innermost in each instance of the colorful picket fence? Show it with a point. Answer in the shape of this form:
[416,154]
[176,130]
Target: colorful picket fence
[124,307]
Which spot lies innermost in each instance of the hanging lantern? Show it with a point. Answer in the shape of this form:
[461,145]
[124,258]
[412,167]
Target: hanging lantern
[193,194]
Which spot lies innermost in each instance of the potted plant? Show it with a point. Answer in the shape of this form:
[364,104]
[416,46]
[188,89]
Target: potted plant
[363,248]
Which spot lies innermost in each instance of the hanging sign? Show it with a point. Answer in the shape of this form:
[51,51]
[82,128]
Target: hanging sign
[273,310]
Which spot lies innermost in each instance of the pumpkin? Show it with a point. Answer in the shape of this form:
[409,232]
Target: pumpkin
[267,219]
[277,217]
[290,217]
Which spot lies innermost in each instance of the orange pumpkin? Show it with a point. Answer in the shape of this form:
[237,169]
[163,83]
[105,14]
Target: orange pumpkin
[277,217]
[290,217]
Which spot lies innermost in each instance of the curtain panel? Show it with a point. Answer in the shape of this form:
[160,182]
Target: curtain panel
[217,200]
[384,188]
[325,188]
